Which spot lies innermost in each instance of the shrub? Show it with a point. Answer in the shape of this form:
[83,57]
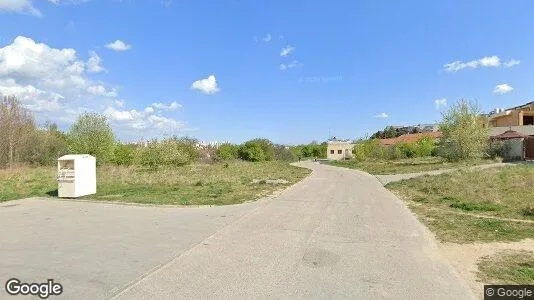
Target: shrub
[425,146]
[123,154]
[169,152]
[464,135]
[149,155]
[310,150]
[283,153]
[256,150]
[91,134]
[369,149]
[495,149]
[46,147]
[251,151]
[227,151]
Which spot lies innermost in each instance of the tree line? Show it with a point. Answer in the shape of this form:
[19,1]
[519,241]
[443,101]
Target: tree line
[23,142]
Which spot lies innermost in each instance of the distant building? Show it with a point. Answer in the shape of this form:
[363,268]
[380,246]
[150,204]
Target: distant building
[214,144]
[519,119]
[339,149]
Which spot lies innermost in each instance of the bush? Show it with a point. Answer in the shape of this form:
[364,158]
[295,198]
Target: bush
[495,149]
[310,150]
[369,149]
[46,147]
[283,153]
[251,151]
[256,150]
[227,151]
[169,152]
[91,134]
[464,135]
[425,146]
[149,155]
[123,154]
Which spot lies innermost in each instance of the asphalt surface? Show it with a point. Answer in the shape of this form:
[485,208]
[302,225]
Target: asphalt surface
[337,234]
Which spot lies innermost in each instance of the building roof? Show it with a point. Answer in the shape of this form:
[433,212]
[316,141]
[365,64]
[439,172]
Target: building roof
[525,129]
[409,138]
[509,134]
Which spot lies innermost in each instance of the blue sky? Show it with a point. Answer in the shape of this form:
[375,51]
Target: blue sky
[349,67]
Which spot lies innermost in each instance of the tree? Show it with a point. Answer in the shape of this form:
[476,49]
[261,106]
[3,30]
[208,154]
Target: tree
[16,128]
[46,146]
[463,134]
[227,151]
[92,134]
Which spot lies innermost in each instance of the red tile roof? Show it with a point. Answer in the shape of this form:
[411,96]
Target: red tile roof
[509,134]
[409,138]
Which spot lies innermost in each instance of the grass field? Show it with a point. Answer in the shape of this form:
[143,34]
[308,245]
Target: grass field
[401,166]
[494,204]
[196,184]
[507,267]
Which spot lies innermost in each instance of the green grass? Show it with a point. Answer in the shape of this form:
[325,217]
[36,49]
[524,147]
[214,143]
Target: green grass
[507,267]
[196,184]
[450,203]
[401,166]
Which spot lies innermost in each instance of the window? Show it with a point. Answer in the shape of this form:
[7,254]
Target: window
[331,151]
[339,151]
[528,120]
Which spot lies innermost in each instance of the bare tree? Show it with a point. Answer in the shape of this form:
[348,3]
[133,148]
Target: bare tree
[16,127]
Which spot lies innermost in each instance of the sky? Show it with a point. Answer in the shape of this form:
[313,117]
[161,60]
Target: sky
[290,71]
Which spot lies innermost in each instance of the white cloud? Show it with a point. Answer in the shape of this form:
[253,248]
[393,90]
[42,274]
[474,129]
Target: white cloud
[56,85]
[100,90]
[94,64]
[145,121]
[32,98]
[512,62]
[485,62]
[166,3]
[382,116]
[118,115]
[207,86]
[119,103]
[290,65]
[442,102]
[19,6]
[119,45]
[503,89]
[174,105]
[287,50]
[267,38]
[74,2]
[29,61]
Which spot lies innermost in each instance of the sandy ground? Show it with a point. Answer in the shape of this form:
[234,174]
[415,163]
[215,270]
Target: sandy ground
[464,258]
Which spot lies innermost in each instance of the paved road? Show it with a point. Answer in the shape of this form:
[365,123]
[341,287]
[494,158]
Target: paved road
[337,234]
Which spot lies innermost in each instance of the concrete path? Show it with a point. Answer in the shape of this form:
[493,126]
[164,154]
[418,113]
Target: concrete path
[385,179]
[337,234]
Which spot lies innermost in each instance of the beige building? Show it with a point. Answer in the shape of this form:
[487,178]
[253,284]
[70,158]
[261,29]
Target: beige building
[338,150]
[522,115]
[519,119]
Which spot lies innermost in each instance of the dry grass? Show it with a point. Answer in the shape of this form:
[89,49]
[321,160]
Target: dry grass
[507,267]
[408,165]
[502,193]
[213,184]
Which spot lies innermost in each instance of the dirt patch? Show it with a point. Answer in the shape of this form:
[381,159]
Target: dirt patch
[464,258]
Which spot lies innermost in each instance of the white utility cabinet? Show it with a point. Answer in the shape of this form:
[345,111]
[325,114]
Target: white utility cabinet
[76,175]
